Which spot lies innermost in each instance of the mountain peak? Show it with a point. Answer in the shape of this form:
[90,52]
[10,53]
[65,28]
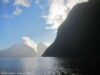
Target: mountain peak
[27,48]
[27,41]
[17,51]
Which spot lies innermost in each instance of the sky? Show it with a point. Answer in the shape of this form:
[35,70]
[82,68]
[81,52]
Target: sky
[35,20]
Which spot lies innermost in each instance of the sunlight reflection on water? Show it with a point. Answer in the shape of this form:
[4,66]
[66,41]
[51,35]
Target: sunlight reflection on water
[35,66]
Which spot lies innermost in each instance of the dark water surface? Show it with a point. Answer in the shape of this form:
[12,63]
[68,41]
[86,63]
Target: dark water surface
[38,66]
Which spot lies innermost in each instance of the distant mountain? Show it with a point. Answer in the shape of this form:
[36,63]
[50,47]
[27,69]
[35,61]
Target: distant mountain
[23,50]
[41,47]
[19,50]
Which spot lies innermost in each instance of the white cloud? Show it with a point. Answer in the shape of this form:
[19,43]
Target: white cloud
[8,16]
[29,42]
[25,3]
[37,1]
[17,11]
[18,3]
[5,1]
[58,11]
[47,44]
[71,3]
[33,44]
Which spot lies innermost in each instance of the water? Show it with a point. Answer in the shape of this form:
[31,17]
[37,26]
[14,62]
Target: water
[37,66]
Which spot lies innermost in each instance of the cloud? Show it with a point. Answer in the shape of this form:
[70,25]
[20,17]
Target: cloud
[18,3]
[47,44]
[8,16]
[17,11]
[29,42]
[25,3]
[5,1]
[33,44]
[58,11]
[37,1]
[42,6]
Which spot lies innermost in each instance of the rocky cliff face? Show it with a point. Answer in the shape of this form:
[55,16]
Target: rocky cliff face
[76,37]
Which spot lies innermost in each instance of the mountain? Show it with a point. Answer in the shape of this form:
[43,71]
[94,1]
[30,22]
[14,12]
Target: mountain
[77,36]
[18,51]
[27,48]
[41,47]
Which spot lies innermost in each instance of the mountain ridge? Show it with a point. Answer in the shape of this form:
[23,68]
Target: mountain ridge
[23,50]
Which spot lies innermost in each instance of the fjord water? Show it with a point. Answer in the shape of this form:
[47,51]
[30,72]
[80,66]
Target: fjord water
[37,66]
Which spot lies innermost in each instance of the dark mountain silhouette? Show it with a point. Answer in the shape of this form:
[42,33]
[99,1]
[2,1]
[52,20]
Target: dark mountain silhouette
[18,51]
[77,36]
